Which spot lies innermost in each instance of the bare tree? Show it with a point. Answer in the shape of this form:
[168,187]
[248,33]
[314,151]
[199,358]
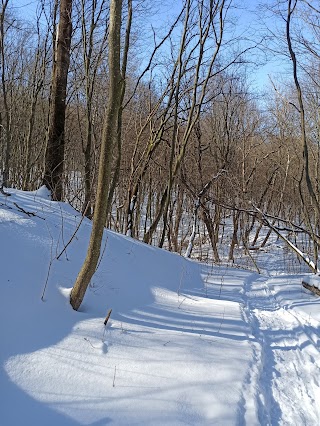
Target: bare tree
[291,8]
[109,141]
[292,4]
[54,159]
[210,24]
[38,76]
[5,127]
[91,60]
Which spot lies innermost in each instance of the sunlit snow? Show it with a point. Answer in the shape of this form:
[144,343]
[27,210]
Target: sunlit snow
[187,343]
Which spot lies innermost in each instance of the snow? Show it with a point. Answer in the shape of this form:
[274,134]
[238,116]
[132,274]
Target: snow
[186,344]
[42,192]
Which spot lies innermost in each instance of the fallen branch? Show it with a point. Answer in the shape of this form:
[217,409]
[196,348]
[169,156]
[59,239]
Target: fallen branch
[2,191]
[311,288]
[27,213]
[293,226]
[292,247]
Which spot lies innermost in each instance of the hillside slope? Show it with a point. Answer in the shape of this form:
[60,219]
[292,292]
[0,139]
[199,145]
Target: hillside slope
[187,344]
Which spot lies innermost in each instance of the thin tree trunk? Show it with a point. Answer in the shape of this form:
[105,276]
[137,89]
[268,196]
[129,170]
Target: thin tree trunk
[115,177]
[109,141]
[234,240]
[211,232]
[6,128]
[291,7]
[194,228]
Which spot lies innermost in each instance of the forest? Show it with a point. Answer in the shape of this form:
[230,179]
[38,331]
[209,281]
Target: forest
[159,212]
[202,158]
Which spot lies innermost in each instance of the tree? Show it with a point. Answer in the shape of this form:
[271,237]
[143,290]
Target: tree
[91,60]
[54,157]
[306,162]
[291,8]
[195,68]
[38,72]
[6,127]
[109,141]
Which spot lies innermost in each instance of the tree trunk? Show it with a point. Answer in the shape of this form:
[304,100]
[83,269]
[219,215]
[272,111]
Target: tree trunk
[55,136]
[213,231]
[194,229]
[291,7]
[6,126]
[234,240]
[109,141]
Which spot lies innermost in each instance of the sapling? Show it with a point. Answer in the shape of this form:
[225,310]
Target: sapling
[50,264]
[181,278]
[57,257]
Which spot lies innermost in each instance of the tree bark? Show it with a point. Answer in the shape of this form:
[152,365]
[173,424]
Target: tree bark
[291,7]
[6,126]
[311,288]
[54,158]
[109,141]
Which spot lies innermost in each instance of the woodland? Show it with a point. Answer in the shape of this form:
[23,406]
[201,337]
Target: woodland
[200,159]
[159,212]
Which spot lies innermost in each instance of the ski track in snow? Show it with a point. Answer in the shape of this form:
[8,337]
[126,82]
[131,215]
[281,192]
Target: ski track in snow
[282,382]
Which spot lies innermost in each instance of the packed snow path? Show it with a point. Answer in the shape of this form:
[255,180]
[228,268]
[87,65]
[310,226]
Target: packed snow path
[286,351]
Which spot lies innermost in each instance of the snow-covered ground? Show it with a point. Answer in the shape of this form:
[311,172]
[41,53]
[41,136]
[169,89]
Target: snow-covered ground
[187,343]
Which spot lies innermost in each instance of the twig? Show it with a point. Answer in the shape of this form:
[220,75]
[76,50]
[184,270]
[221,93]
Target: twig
[102,254]
[47,279]
[74,234]
[114,376]
[27,213]
[224,309]
[107,317]
[221,285]
[61,233]
[94,347]
[249,254]
[181,302]
[49,268]
[181,278]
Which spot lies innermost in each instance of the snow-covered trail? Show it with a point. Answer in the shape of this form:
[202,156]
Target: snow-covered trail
[284,378]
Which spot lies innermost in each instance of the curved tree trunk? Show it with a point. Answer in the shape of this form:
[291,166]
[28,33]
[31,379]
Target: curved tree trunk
[109,141]
[291,7]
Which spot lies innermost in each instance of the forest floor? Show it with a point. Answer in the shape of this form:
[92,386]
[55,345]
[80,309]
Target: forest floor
[187,343]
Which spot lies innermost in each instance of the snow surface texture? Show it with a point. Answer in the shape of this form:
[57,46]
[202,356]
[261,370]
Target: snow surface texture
[187,343]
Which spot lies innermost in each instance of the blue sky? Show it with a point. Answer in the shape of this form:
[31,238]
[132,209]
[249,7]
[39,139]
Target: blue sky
[248,13]
[25,8]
